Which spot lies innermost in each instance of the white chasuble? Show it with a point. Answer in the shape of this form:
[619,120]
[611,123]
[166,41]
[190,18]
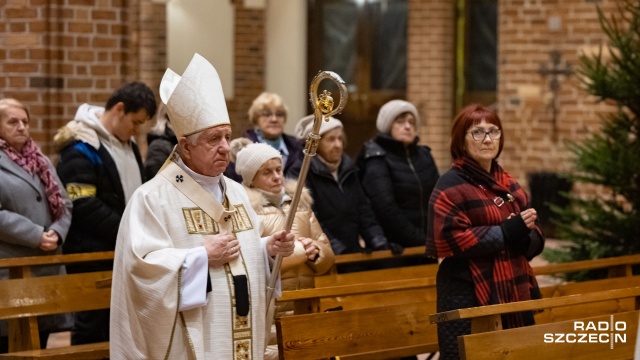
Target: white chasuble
[159,226]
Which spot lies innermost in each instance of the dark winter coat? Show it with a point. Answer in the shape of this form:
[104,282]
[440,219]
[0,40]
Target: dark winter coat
[398,180]
[294,146]
[343,210]
[95,218]
[158,150]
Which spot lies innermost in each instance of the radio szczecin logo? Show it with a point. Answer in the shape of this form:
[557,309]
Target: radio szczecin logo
[591,332]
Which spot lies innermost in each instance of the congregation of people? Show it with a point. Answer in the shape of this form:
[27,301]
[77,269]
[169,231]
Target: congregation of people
[197,224]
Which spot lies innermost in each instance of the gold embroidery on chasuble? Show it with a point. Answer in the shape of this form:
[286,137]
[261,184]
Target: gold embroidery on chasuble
[199,222]
[242,325]
[240,219]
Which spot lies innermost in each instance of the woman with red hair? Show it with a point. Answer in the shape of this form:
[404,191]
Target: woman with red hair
[482,228]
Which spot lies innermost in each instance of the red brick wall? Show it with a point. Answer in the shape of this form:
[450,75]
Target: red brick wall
[524,44]
[55,55]
[249,63]
[431,69]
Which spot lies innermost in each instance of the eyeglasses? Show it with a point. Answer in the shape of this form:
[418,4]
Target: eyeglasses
[268,114]
[480,134]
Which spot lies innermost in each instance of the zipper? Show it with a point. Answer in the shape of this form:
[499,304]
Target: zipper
[415,173]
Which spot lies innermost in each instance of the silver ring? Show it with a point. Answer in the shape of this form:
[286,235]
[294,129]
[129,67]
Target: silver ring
[233,249]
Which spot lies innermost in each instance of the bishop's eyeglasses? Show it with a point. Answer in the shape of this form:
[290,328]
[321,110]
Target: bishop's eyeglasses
[480,134]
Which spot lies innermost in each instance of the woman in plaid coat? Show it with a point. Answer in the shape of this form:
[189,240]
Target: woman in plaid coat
[481,226]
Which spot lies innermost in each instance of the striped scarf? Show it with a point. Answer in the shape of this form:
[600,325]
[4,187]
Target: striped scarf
[33,161]
[465,207]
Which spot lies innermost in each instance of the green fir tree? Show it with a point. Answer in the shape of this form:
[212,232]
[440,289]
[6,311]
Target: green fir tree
[608,223]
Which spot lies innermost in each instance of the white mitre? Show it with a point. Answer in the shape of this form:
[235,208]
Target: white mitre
[195,100]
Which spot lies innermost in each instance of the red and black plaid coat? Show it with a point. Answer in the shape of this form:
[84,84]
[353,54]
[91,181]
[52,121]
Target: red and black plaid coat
[466,209]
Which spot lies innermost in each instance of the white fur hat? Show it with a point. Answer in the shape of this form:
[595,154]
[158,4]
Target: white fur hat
[195,100]
[305,125]
[390,111]
[250,156]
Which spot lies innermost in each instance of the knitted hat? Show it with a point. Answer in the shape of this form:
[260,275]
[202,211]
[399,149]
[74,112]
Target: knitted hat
[195,100]
[249,157]
[305,125]
[391,110]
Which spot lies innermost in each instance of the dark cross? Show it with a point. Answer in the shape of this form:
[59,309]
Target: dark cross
[554,84]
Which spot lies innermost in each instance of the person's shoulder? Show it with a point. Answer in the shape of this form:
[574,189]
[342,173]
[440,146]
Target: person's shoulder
[372,149]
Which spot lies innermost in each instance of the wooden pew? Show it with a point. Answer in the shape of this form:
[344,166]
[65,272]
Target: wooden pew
[488,318]
[616,266]
[373,256]
[358,296]
[528,343]
[370,333]
[23,298]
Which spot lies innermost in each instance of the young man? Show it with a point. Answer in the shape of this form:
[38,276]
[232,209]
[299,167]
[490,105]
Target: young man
[100,166]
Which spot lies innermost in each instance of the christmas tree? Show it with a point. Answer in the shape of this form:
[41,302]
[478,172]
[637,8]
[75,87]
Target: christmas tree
[606,222]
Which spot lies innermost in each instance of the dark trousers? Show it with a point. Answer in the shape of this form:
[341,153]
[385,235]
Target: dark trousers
[90,327]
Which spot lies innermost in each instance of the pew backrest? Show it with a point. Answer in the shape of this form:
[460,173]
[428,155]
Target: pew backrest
[558,340]
[371,333]
[488,318]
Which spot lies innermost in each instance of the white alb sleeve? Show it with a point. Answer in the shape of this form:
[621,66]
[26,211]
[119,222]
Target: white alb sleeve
[193,290]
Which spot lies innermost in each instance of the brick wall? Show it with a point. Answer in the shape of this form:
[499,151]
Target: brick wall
[55,55]
[249,63]
[524,96]
[430,82]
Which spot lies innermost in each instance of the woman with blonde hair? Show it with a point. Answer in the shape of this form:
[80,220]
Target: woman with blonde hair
[35,210]
[268,114]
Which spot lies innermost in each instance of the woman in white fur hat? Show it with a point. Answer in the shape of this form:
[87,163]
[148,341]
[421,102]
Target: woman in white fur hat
[398,174]
[340,204]
[260,166]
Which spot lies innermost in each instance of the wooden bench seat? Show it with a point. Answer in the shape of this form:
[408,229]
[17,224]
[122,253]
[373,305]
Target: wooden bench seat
[370,333]
[528,343]
[23,298]
[75,352]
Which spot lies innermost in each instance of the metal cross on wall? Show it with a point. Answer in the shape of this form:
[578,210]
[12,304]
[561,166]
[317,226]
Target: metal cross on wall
[554,84]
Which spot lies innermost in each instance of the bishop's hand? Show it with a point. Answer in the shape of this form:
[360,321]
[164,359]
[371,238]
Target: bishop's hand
[221,249]
[281,243]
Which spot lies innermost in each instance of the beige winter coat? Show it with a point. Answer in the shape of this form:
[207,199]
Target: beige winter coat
[297,271]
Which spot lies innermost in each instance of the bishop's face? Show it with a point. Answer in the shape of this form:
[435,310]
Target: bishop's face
[210,154]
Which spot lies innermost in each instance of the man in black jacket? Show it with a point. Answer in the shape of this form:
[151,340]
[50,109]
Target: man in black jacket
[100,166]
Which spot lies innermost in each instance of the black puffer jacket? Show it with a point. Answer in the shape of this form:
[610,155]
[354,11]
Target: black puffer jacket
[95,218]
[398,180]
[160,147]
[343,210]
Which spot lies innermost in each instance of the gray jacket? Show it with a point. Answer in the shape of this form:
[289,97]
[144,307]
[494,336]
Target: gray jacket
[24,211]
[24,216]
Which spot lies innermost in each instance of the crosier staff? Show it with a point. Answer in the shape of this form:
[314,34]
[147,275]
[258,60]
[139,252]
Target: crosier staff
[322,110]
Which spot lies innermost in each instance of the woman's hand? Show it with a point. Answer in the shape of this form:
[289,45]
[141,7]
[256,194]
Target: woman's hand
[310,249]
[49,241]
[529,216]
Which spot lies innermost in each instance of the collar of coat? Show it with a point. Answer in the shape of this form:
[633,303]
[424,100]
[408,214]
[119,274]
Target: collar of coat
[259,201]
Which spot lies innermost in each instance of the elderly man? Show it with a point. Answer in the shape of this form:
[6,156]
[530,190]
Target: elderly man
[191,269]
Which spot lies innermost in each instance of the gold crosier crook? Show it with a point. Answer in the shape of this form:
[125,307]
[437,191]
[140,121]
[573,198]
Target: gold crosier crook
[322,110]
